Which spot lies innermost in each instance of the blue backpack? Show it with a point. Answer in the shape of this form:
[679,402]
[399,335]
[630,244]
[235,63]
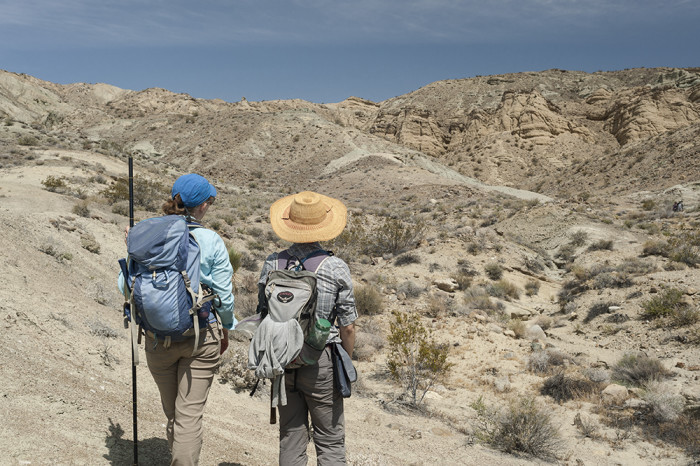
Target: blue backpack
[161,271]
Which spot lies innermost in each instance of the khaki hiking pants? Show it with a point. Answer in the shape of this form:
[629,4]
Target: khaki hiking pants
[183,380]
[311,392]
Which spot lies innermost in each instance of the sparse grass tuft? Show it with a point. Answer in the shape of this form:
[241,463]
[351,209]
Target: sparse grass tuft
[563,387]
[522,427]
[494,271]
[638,369]
[504,289]
[368,300]
[408,258]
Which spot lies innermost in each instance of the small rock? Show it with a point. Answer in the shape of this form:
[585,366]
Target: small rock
[509,333]
[614,394]
[446,284]
[535,332]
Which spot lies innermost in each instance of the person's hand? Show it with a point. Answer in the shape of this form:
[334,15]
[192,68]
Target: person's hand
[224,342]
[126,233]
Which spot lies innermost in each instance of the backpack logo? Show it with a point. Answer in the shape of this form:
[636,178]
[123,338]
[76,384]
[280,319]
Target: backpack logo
[285,297]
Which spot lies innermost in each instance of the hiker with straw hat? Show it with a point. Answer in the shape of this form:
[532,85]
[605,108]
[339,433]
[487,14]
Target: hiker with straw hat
[305,219]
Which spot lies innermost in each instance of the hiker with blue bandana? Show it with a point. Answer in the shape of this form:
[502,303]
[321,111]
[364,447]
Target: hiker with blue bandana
[185,311]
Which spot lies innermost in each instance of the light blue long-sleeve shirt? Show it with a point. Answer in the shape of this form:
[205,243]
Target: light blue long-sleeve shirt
[215,271]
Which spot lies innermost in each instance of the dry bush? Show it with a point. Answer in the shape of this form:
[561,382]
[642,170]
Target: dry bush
[564,387]
[522,427]
[578,238]
[233,368]
[81,209]
[638,369]
[504,289]
[664,406]
[438,305]
[494,271]
[406,259]
[601,245]
[411,289]
[598,309]
[367,345]
[100,329]
[663,304]
[532,287]
[545,361]
[88,242]
[368,300]
[518,327]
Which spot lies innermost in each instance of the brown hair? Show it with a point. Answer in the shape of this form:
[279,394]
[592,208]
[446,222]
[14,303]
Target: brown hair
[175,206]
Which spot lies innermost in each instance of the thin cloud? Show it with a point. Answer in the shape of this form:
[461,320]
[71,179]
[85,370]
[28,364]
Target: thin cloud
[71,23]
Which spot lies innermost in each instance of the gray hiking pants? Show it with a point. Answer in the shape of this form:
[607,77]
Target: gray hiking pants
[311,392]
[183,380]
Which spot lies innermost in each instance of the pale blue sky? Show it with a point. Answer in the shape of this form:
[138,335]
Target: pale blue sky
[327,50]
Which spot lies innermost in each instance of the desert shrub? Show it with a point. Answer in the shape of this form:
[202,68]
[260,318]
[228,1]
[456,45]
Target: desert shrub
[532,287]
[81,209]
[411,289]
[249,262]
[504,289]
[395,236]
[493,270]
[601,245]
[463,280]
[28,140]
[545,361]
[367,345]
[664,405]
[566,253]
[685,316]
[563,387]
[655,248]
[611,280]
[518,327]
[236,258]
[148,195]
[477,297]
[663,305]
[685,254]
[88,242]
[578,238]
[368,300]
[233,368]
[638,370]
[534,264]
[648,204]
[121,208]
[521,427]
[438,305]
[408,258]
[415,360]
[55,184]
[598,309]
[100,329]
[635,266]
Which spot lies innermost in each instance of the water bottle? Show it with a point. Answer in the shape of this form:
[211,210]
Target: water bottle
[318,334]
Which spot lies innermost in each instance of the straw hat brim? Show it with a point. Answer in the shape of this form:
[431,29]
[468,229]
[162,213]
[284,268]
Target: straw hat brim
[330,227]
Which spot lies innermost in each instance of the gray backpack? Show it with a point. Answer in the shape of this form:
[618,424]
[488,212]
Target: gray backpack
[290,294]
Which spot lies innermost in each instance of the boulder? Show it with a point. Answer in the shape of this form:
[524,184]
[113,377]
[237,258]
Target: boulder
[614,394]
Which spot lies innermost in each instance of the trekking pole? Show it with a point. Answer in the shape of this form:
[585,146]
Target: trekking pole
[134,347]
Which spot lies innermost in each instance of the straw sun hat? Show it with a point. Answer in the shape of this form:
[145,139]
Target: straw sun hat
[307,217]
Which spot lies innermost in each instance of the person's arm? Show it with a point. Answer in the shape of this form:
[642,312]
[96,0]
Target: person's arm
[347,334]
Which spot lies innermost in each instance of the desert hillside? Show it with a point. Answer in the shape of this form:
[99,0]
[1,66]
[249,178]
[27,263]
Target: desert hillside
[525,221]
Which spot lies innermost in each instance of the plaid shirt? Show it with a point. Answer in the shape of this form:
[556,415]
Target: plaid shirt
[336,300]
